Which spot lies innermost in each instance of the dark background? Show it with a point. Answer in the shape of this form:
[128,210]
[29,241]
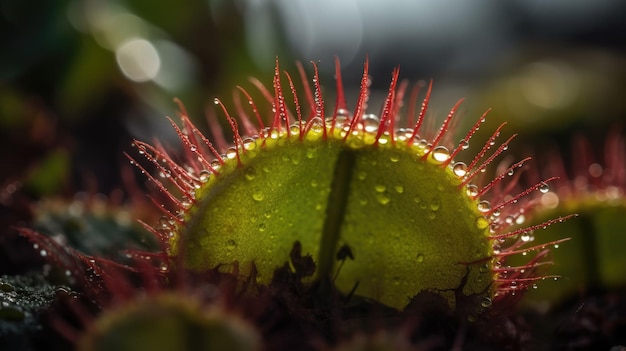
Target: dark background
[550,68]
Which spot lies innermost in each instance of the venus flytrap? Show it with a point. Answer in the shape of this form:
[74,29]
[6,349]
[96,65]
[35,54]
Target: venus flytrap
[308,212]
[379,202]
[593,187]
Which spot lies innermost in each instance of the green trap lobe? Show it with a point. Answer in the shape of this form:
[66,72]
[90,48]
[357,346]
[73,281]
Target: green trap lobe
[405,218]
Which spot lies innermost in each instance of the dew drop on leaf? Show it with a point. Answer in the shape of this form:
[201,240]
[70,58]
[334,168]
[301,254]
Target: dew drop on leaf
[383,198]
[250,173]
[472,190]
[258,196]
[460,169]
[485,302]
[484,206]
[440,154]
[204,175]
[370,123]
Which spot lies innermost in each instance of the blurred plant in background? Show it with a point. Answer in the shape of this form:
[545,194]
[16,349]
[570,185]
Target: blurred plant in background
[80,79]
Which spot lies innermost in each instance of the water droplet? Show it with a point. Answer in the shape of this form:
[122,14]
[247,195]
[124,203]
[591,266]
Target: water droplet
[43,253]
[258,196]
[399,188]
[384,139]
[485,302]
[250,173]
[316,125]
[484,206]
[510,172]
[509,219]
[380,188]
[440,154]
[204,175]
[311,153]
[383,198]
[484,268]
[464,144]
[216,164]
[294,129]
[394,158]
[231,244]
[231,153]
[460,169]
[544,188]
[249,144]
[193,147]
[472,190]
[520,219]
[420,257]
[423,144]
[482,223]
[370,123]
[262,227]
[435,204]
[164,222]
[185,202]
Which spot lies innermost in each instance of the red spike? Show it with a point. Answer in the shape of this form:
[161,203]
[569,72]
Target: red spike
[181,174]
[206,142]
[413,103]
[487,146]
[530,229]
[444,127]
[319,99]
[420,118]
[360,104]
[254,108]
[510,186]
[518,269]
[396,109]
[388,107]
[156,232]
[236,136]
[500,177]
[307,91]
[520,195]
[490,159]
[264,91]
[181,107]
[248,127]
[468,136]
[280,113]
[156,182]
[216,131]
[296,104]
[143,147]
[340,103]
